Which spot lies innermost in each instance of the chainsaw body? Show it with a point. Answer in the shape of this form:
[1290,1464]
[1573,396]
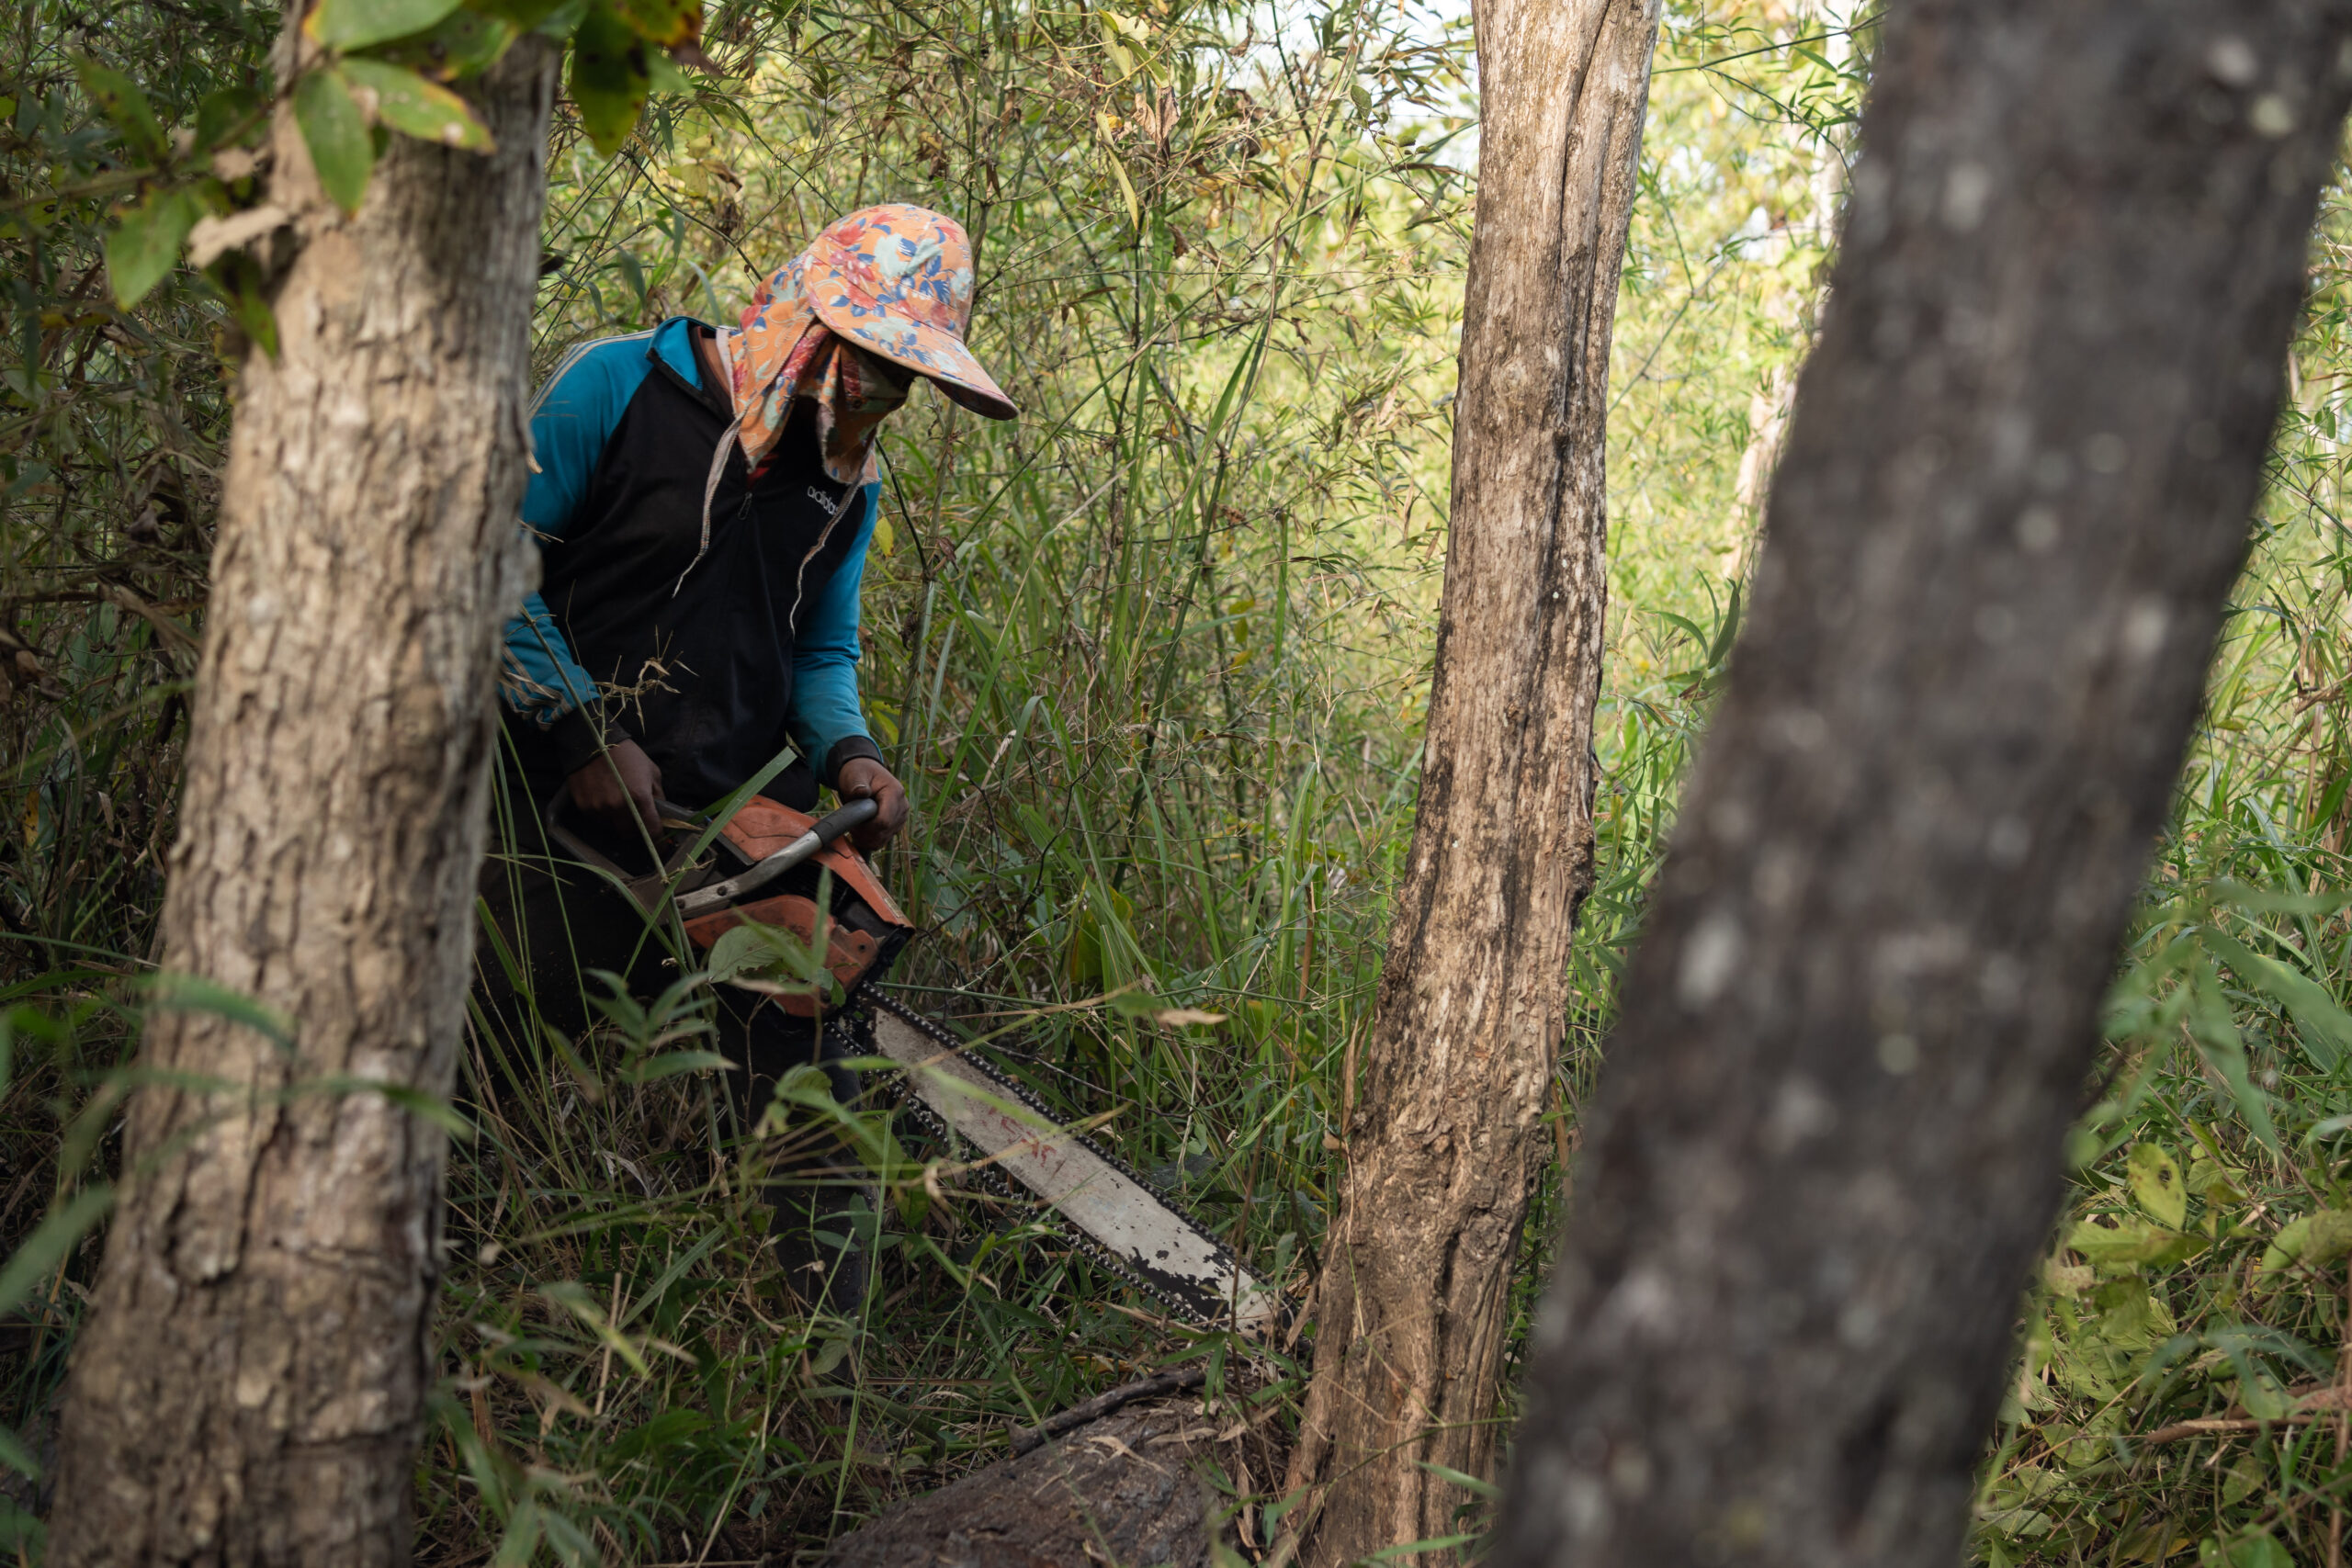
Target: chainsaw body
[769,864]
[781,867]
[865,929]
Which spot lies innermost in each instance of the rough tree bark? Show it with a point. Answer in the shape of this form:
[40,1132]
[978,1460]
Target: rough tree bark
[251,1388]
[1440,1147]
[2017,490]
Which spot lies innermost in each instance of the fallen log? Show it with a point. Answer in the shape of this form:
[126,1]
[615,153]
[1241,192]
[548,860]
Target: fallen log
[1132,1487]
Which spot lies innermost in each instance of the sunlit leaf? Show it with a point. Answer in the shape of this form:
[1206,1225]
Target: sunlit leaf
[337,134]
[357,24]
[2315,1240]
[2157,1185]
[662,22]
[2131,1243]
[609,78]
[414,106]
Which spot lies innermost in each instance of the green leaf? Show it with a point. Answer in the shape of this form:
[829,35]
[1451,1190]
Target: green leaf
[16,1457]
[609,79]
[2326,1028]
[125,107]
[2215,1031]
[44,1249]
[337,134]
[662,74]
[171,992]
[357,24]
[526,15]
[2157,1184]
[231,112]
[670,1063]
[2315,1241]
[464,43]
[414,106]
[662,22]
[145,246]
[2131,1243]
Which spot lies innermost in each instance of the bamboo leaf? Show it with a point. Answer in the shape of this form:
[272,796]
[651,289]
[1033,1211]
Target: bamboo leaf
[44,1249]
[463,43]
[173,992]
[232,111]
[2326,1028]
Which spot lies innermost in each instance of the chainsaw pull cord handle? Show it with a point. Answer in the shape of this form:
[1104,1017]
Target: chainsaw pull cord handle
[828,829]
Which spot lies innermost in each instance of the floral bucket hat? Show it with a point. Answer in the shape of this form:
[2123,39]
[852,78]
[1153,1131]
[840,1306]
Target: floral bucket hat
[896,281]
[893,281]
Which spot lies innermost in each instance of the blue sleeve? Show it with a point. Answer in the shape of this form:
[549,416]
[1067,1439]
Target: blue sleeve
[574,419]
[825,710]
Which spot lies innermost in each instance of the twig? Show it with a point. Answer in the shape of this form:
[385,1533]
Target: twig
[2179,1430]
[2309,1408]
[1025,1439]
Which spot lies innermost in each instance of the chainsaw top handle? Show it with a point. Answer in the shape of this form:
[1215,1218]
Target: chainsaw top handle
[828,829]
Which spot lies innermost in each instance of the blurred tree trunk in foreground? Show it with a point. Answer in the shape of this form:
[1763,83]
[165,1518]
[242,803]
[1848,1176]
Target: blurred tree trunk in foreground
[2016,494]
[252,1386]
[1410,1318]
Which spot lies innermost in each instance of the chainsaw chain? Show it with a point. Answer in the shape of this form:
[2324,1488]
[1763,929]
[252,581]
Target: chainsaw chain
[856,1032]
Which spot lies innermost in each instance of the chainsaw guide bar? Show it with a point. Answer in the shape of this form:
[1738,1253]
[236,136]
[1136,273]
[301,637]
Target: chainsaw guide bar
[1092,1196]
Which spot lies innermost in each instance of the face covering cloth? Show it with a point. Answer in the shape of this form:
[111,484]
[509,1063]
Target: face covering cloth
[881,297]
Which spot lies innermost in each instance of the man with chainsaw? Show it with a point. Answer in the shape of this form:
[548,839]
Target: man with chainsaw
[702,500]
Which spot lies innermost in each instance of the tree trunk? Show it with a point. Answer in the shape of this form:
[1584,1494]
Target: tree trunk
[1410,1318]
[251,1387]
[1828,1140]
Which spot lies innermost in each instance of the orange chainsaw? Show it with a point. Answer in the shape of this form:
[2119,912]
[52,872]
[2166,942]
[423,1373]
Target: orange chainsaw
[771,868]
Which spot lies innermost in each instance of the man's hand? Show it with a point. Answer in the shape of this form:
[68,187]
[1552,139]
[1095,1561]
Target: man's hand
[862,778]
[617,790]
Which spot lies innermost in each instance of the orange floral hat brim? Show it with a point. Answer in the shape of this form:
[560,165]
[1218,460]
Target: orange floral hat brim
[896,281]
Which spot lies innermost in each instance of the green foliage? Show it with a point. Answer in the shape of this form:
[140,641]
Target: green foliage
[146,243]
[336,134]
[414,106]
[610,76]
[362,24]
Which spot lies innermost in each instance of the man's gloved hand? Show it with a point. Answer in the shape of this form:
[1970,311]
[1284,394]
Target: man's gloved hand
[617,790]
[864,778]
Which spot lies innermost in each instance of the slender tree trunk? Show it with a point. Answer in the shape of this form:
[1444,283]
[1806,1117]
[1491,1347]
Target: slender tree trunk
[1410,1316]
[2015,495]
[251,1388]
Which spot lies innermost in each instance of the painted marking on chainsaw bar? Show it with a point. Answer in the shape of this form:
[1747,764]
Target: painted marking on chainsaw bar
[1092,1194]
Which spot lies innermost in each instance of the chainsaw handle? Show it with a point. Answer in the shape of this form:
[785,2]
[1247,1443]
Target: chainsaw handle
[843,819]
[828,829]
